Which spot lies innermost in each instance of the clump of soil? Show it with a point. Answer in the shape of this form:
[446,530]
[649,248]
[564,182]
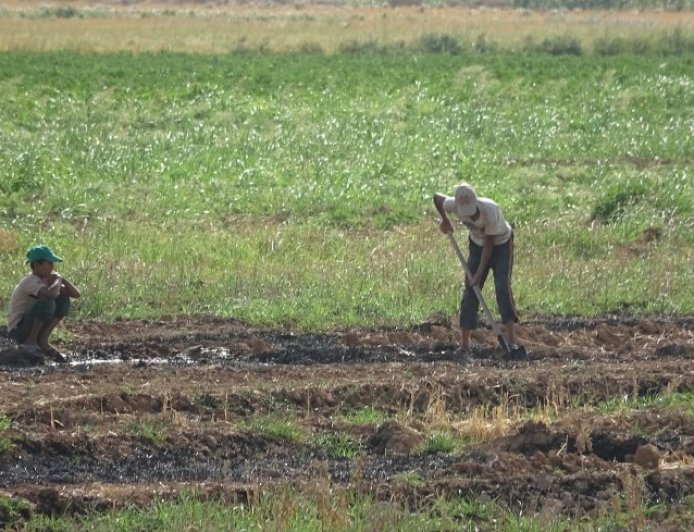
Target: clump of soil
[391,438]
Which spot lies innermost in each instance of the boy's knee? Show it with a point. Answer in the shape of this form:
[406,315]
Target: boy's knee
[62,306]
[44,308]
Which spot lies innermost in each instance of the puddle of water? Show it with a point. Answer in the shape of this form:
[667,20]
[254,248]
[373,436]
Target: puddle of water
[205,354]
[114,361]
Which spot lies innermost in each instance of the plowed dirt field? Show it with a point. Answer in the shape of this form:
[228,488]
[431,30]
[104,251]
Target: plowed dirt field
[144,409]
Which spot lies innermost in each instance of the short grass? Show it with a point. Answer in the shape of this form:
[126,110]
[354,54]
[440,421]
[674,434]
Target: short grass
[152,429]
[296,189]
[337,444]
[440,442]
[667,403]
[340,510]
[367,415]
[275,425]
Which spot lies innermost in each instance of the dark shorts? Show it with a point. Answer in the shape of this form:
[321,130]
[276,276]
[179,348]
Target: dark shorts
[43,310]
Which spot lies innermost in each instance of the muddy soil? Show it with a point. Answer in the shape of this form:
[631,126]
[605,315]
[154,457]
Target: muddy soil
[145,409]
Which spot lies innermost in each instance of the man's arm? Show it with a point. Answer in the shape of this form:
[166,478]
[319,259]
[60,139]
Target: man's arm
[445,226]
[487,250]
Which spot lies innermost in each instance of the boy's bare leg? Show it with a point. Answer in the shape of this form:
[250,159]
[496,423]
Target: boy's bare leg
[45,333]
[32,338]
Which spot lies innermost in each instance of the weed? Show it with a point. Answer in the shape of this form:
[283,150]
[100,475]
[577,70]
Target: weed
[152,430]
[365,416]
[410,477]
[353,46]
[439,442]
[6,445]
[127,391]
[13,512]
[667,401]
[619,197]
[285,508]
[276,426]
[338,444]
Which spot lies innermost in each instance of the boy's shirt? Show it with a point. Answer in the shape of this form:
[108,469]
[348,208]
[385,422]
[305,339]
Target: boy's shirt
[491,221]
[23,298]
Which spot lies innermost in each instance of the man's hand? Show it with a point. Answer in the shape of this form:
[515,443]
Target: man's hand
[476,279]
[446,226]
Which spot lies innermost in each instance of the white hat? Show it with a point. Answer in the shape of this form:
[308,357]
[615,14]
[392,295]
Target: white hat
[465,200]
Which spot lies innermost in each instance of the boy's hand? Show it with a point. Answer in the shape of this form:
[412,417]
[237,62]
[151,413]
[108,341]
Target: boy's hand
[52,278]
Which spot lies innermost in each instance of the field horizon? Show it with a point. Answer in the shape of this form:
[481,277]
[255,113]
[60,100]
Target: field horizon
[214,28]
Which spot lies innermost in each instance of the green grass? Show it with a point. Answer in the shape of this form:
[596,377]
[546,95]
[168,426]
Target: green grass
[440,442]
[367,415]
[336,509]
[411,478]
[673,402]
[153,430]
[13,510]
[6,444]
[296,189]
[338,444]
[275,425]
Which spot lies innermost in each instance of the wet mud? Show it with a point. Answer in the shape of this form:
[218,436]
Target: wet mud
[145,409]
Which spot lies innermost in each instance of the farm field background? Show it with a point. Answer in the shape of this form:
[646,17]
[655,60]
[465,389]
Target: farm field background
[268,311]
[297,189]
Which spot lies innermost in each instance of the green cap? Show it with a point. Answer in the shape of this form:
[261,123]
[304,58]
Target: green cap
[42,253]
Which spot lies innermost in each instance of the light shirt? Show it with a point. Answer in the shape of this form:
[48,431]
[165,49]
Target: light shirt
[491,221]
[23,298]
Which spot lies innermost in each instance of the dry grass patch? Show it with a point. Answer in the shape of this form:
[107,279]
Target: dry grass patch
[222,29]
[485,422]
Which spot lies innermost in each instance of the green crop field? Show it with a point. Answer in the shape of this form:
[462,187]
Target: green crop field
[296,189]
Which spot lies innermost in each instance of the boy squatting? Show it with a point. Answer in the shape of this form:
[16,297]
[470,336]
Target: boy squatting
[38,304]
